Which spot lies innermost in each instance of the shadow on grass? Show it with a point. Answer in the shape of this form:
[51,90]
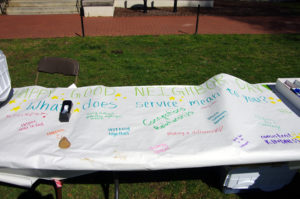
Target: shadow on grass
[212,176]
[209,175]
[34,195]
[31,193]
[290,191]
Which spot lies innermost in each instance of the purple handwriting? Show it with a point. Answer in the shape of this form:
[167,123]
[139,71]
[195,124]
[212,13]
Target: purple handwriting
[240,141]
[285,138]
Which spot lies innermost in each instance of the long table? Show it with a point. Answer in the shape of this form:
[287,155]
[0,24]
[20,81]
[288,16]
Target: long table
[224,121]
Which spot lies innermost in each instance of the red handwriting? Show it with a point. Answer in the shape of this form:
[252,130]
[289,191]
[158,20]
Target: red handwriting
[56,131]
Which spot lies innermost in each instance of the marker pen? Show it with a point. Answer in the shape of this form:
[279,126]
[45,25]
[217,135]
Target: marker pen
[289,84]
[296,91]
[297,83]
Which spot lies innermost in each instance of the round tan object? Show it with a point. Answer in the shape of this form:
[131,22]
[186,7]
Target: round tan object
[64,143]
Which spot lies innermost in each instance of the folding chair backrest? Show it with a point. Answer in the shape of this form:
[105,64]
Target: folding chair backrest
[59,65]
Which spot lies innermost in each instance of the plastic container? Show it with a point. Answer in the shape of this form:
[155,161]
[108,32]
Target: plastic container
[5,83]
[287,92]
[264,177]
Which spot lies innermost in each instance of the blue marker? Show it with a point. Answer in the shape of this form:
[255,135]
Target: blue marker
[296,91]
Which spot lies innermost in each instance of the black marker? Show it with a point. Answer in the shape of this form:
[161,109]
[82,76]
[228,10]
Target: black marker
[65,112]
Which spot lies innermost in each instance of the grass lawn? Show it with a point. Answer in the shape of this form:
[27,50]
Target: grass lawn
[155,60]
[158,60]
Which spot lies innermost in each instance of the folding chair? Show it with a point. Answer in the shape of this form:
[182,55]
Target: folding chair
[63,66]
[59,65]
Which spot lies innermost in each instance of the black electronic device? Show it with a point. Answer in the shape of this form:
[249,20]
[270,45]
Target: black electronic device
[65,111]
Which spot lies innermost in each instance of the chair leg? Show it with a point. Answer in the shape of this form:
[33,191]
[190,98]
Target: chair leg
[76,80]
[58,189]
[36,78]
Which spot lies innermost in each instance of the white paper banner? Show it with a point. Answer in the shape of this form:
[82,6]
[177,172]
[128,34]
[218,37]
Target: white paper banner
[224,121]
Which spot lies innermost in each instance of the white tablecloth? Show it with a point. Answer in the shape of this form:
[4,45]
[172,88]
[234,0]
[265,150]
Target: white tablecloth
[224,121]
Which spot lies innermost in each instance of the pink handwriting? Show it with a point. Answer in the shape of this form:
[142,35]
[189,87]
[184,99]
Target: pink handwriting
[26,115]
[208,105]
[160,148]
[178,133]
[29,125]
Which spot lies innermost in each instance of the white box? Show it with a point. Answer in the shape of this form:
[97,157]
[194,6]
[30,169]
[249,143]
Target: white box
[286,92]
[98,11]
[264,177]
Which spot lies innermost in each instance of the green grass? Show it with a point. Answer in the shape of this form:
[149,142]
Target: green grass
[161,60]
[155,60]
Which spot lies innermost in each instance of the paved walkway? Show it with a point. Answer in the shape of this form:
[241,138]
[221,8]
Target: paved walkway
[46,26]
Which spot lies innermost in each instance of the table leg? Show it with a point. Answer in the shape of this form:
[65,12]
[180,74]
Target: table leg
[58,189]
[116,181]
[105,188]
